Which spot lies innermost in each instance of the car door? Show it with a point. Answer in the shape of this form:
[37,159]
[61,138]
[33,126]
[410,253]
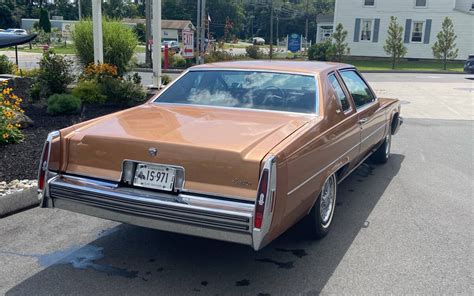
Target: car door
[371,122]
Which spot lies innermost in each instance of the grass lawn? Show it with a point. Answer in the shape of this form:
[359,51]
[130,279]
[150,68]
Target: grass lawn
[367,65]
[62,49]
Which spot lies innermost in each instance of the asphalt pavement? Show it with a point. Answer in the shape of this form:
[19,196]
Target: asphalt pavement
[405,227]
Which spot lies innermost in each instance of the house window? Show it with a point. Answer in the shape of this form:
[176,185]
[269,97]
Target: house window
[472,6]
[417,32]
[366,30]
[369,2]
[420,3]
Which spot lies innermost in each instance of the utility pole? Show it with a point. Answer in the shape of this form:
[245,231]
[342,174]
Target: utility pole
[306,27]
[156,43]
[79,9]
[203,29]
[271,30]
[148,32]
[198,32]
[97,31]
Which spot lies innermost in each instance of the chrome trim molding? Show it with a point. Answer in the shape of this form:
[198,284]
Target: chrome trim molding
[333,162]
[260,234]
[184,213]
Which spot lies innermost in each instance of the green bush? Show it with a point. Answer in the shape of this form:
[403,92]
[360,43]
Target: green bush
[35,92]
[89,92]
[165,79]
[55,73]
[123,92]
[63,104]
[323,51]
[218,56]
[140,31]
[6,67]
[254,52]
[119,43]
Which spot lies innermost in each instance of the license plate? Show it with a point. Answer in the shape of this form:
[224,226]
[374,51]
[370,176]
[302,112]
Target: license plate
[154,177]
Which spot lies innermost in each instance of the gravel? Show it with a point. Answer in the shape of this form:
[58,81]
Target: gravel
[16,186]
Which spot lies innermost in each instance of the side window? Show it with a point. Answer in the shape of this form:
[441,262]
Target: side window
[358,89]
[341,96]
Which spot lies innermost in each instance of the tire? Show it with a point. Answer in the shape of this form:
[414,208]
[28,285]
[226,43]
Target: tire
[382,154]
[320,216]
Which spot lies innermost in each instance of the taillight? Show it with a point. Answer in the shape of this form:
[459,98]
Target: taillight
[43,167]
[261,198]
[53,141]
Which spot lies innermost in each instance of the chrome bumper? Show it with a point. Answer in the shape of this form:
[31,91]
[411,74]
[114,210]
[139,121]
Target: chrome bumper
[186,213]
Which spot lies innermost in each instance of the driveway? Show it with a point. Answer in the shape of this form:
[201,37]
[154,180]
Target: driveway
[400,228]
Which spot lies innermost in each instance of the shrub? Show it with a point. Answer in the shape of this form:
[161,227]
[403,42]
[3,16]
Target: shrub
[9,107]
[6,67]
[123,92]
[165,79]
[119,43]
[254,52]
[99,72]
[89,92]
[218,56]
[140,31]
[35,92]
[55,73]
[63,104]
[323,51]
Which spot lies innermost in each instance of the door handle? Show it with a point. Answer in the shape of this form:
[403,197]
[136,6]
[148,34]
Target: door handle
[362,121]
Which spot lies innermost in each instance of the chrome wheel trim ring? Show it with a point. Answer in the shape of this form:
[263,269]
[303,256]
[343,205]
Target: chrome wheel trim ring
[328,201]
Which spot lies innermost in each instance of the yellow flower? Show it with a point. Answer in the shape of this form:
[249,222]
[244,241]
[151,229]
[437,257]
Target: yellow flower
[18,125]
[9,126]
[5,136]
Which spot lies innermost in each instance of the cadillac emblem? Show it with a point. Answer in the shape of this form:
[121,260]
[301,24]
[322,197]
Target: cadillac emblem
[152,151]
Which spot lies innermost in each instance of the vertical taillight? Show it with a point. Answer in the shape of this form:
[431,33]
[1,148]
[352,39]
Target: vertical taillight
[49,160]
[261,198]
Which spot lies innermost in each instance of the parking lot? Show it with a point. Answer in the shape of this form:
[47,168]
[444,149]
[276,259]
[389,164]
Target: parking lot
[401,228]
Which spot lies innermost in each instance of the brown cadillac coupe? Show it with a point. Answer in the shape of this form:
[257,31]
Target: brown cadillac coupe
[236,151]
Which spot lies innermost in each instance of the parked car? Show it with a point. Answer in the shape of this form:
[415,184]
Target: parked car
[258,41]
[234,151]
[172,46]
[16,31]
[469,65]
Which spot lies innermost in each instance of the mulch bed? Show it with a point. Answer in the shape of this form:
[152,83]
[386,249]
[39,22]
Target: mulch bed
[21,161]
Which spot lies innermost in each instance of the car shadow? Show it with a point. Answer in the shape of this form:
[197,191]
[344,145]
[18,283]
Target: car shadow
[140,261]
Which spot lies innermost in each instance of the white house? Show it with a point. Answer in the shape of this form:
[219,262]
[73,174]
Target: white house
[367,23]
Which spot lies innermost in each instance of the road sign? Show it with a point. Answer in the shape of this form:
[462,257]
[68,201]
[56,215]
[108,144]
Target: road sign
[188,43]
[294,42]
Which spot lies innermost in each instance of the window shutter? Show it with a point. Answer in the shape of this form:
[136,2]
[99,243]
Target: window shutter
[407,30]
[376,30]
[357,30]
[427,32]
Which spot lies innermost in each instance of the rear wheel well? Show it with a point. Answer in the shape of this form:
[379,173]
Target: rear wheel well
[341,172]
[394,123]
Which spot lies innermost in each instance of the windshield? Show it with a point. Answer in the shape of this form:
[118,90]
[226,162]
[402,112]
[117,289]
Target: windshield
[244,89]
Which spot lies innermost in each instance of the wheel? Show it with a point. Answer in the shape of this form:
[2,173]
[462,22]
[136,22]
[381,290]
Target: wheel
[320,216]
[382,153]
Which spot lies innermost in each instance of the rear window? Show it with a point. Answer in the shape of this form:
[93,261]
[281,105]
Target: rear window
[244,89]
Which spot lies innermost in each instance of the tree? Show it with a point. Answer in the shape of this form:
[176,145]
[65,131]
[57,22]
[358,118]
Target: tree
[340,46]
[322,51]
[44,22]
[6,17]
[394,43]
[445,47]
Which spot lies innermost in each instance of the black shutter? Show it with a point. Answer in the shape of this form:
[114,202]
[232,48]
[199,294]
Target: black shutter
[426,39]
[407,31]
[357,30]
[376,30]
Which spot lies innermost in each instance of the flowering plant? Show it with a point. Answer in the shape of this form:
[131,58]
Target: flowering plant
[9,107]
[100,71]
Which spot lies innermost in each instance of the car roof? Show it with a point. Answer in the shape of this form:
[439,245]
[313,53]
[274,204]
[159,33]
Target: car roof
[308,67]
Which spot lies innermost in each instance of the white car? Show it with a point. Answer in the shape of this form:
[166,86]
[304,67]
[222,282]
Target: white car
[16,31]
[258,41]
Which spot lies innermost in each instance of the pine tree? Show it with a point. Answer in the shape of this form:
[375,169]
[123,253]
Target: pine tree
[340,46]
[394,43]
[44,22]
[445,47]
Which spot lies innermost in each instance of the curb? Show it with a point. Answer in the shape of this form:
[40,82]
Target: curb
[413,72]
[18,201]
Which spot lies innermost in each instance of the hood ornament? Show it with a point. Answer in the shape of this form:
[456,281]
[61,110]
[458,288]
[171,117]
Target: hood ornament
[152,151]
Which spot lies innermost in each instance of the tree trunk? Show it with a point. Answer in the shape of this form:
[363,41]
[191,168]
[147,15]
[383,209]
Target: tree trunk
[393,62]
[445,60]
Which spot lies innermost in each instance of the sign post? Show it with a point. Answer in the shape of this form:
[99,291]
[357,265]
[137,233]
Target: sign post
[294,42]
[188,43]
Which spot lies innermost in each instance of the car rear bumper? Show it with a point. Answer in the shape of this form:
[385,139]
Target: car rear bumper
[186,213]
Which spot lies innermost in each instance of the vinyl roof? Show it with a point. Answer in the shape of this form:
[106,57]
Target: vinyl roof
[276,65]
